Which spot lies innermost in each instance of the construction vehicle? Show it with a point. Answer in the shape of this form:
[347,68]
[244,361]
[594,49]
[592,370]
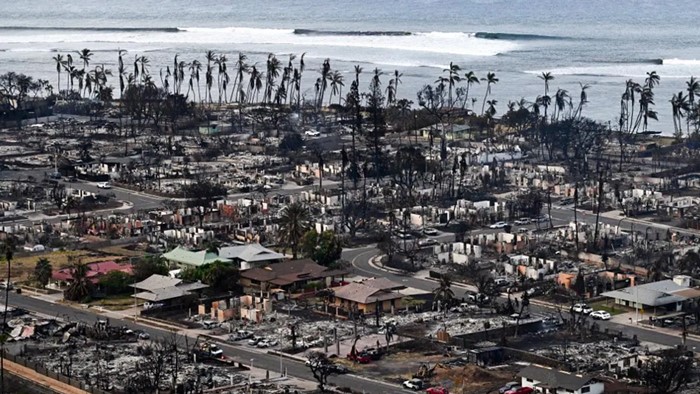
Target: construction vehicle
[426,373]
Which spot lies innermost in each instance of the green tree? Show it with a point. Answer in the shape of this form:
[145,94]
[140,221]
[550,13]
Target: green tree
[443,293]
[294,223]
[324,248]
[42,271]
[116,282]
[81,287]
[148,266]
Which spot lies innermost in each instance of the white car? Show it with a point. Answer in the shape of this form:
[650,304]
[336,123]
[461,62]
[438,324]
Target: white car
[498,225]
[522,221]
[430,231]
[103,185]
[312,133]
[413,384]
[600,315]
[582,308]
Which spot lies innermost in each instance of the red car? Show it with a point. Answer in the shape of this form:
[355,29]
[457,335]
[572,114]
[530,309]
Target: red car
[521,390]
[359,358]
[437,390]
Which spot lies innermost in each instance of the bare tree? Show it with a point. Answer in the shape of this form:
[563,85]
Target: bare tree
[321,367]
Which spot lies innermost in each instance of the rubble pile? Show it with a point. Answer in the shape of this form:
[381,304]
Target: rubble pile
[588,357]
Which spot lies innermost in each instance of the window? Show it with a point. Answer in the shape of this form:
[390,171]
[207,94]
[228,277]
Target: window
[528,380]
[586,389]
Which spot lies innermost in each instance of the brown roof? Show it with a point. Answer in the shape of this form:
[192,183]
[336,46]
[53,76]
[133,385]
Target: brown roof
[288,272]
[383,284]
[364,294]
[687,293]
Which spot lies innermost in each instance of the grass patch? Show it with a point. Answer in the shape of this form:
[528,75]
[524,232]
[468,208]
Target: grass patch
[23,267]
[115,302]
[610,307]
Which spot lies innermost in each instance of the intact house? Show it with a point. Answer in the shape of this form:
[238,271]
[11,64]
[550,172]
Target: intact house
[95,271]
[160,289]
[551,381]
[182,257]
[663,296]
[369,296]
[290,276]
[250,255]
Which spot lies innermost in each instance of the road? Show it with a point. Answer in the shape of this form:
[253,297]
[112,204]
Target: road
[239,352]
[360,258]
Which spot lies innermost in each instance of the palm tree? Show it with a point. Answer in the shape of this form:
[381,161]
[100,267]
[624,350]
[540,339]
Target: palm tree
[452,79]
[583,99]
[389,331]
[358,71]
[273,71]
[81,287]
[323,81]
[337,83]
[8,250]
[546,77]
[560,100]
[59,66]
[397,81]
[209,79]
[443,293]
[693,88]
[471,79]
[42,271]
[241,68]
[490,80]
[302,67]
[294,223]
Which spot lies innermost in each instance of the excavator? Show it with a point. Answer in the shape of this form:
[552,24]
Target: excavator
[426,373]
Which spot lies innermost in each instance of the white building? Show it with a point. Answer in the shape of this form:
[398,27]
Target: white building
[551,381]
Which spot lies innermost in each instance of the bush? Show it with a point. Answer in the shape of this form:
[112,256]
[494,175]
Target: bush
[116,282]
[403,265]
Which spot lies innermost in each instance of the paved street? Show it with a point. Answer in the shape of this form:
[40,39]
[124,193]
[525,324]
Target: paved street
[241,353]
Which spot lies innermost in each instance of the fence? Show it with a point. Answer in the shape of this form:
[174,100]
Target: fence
[40,369]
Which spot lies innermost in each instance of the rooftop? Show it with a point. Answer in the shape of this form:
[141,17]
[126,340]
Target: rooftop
[554,378]
[193,258]
[249,253]
[654,294]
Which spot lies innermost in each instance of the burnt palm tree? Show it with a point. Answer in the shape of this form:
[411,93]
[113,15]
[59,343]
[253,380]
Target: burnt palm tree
[302,67]
[490,79]
[583,99]
[323,81]
[195,68]
[397,81]
[546,77]
[241,69]
[294,223]
[561,99]
[693,89]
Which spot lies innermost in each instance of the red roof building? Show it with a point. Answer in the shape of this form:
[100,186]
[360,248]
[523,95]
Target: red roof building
[95,271]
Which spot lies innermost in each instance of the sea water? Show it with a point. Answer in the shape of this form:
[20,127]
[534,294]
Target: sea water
[597,42]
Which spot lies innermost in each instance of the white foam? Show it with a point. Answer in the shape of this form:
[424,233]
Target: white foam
[679,70]
[681,62]
[431,42]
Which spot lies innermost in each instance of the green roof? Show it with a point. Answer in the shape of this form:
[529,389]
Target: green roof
[193,258]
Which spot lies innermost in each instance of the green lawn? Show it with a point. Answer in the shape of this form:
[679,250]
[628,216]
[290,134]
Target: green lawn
[115,302]
[610,307]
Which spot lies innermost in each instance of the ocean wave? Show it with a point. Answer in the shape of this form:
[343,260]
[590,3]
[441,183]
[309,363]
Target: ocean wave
[311,32]
[681,62]
[98,29]
[516,36]
[451,43]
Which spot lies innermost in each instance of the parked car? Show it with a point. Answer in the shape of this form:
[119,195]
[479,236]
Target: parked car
[521,390]
[359,358]
[144,335]
[103,185]
[267,343]
[477,297]
[509,386]
[240,335]
[430,231]
[339,369]
[522,221]
[499,225]
[312,133]
[600,315]
[437,390]
[424,243]
[254,340]
[581,308]
[404,235]
[413,384]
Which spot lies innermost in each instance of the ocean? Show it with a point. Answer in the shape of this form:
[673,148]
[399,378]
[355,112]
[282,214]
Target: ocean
[597,42]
